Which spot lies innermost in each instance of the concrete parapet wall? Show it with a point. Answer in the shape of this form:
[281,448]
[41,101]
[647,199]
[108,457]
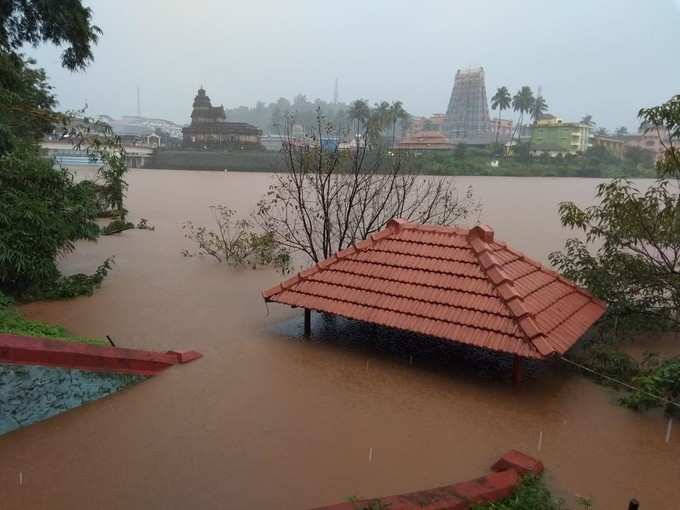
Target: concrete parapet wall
[23,350]
[500,484]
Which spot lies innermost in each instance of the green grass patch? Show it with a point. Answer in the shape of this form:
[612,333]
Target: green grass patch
[532,494]
[12,322]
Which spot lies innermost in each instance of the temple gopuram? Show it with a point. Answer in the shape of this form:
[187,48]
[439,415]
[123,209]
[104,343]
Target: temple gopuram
[209,128]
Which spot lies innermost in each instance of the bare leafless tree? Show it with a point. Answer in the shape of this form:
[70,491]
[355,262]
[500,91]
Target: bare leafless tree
[337,189]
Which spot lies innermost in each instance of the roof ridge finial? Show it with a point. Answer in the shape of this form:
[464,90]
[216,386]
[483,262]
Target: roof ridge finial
[483,232]
[396,223]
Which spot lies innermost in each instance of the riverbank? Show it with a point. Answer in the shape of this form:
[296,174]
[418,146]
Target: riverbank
[474,162]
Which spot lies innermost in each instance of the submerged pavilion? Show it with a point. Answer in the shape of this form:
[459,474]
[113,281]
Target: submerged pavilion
[450,283]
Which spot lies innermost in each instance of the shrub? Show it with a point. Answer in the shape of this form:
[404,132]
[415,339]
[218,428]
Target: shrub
[235,242]
[43,212]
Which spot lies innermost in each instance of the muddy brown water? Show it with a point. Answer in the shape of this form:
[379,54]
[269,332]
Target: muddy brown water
[268,420]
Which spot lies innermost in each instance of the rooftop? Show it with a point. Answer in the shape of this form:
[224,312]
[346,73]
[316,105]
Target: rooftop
[450,283]
[425,140]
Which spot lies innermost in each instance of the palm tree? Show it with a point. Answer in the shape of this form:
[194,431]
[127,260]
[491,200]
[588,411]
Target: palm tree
[382,114]
[360,112]
[622,131]
[522,102]
[501,100]
[588,120]
[397,113]
[538,109]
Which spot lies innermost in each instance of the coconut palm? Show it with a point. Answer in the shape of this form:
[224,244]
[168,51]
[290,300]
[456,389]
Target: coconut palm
[397,113]
[538,109]
[588,120]
[622,131]
[360,112]
[501,100]
[522,102]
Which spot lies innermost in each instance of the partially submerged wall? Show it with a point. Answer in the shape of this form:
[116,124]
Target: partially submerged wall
[40,377]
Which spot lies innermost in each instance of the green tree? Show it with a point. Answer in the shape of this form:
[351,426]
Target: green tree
[65,23]
[522,102]
[588,120]
[636,265]
[500,101]
[397,114]
[43,212]
[360,112]
[664,120]
[621,131]
[26,102]
[538,109]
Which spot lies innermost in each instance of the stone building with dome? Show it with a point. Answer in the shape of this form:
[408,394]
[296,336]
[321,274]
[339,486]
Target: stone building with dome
[209,128]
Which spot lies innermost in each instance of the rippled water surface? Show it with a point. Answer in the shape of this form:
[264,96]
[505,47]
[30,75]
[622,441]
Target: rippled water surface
[268,420]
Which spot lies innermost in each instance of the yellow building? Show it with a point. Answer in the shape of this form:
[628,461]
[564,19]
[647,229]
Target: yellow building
[615,146]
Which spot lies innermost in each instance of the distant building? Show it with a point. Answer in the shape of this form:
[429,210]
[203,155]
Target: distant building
[273,143]
[653,141]
[425,141]
[438,120]
[615,146]
[554,137]
[209,127]
[504,130]
[467,116]
[153,140]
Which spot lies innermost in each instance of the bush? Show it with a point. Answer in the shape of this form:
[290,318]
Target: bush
[43,212]
[661,380]
[532,494]
[235,242]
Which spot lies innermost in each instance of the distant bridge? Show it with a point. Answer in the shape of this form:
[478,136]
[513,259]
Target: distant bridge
[66,155]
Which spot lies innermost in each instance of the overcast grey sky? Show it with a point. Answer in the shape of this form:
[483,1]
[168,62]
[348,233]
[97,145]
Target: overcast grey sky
[603,57]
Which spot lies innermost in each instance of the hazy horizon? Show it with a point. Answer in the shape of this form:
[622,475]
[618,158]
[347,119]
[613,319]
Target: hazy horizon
[606,59]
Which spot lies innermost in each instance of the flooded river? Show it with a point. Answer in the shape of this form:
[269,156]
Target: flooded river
[268,420]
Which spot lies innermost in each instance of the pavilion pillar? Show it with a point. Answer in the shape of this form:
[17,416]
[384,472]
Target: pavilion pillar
[308,322]
[517,370]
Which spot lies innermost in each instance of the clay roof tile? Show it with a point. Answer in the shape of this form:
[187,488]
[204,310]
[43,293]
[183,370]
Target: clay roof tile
[451,283]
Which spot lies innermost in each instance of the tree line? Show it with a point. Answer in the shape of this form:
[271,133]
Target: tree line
[382,117]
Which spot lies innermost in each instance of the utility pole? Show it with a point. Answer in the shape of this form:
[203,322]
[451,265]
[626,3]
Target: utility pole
[139,107]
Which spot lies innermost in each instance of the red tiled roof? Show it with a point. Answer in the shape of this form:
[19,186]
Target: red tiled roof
[450,283]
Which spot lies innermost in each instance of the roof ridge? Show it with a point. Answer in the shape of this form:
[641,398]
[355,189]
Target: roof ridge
[507,293]
[432,227]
